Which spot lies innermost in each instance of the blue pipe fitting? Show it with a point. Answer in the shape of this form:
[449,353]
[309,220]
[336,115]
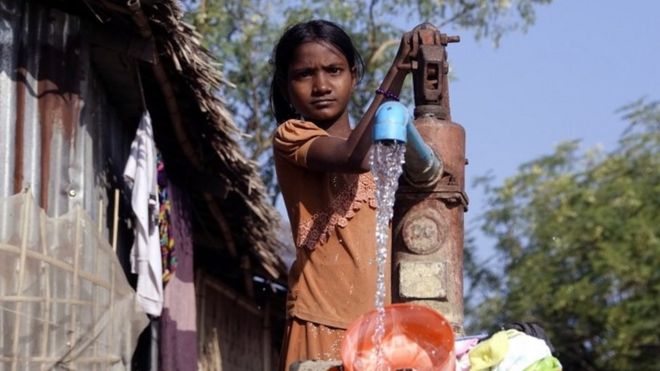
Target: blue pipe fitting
[417,149]
[391,122]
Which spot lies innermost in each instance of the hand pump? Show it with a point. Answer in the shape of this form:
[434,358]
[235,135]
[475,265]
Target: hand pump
[428,212]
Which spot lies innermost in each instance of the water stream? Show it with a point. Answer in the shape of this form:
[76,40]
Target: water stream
[386,161]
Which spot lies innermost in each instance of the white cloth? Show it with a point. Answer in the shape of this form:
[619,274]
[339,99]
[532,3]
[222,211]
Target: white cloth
[524,350]
[146,260]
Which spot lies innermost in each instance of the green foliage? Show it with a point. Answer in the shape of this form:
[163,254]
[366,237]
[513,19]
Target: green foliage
[242,33]
[578,244]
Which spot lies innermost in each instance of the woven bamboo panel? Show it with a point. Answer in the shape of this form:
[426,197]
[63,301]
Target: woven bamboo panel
[233,331]
[64,299]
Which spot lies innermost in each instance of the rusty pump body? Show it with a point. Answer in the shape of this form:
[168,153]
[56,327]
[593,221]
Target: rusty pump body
[428,212]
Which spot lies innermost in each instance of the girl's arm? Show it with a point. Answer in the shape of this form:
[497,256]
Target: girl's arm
[350,155]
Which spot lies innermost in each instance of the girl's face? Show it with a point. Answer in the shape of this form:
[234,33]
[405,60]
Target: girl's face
[320,82]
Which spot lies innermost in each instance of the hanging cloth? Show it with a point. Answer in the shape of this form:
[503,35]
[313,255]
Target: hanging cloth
[178,323]
[167,240]
[140,175]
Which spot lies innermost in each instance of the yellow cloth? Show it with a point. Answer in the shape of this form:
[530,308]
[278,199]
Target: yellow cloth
[489,353]
[546,364]
[333,221]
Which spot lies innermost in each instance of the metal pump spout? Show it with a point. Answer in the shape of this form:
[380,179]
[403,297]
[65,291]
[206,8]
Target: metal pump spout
[393,123]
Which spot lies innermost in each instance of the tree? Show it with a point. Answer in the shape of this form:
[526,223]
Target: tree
[242,33]
[577,239]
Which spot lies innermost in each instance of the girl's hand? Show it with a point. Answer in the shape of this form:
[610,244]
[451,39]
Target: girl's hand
[404,55]
[423,34]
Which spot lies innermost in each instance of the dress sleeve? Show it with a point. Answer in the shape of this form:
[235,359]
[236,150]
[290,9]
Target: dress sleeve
[293,138]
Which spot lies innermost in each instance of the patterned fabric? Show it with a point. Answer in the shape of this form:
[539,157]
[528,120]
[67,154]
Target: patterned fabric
[333,222]
[167,250]
[352,193]
[178,323]
[309,341]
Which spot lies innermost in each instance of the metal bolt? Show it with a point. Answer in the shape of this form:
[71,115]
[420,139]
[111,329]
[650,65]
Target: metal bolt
[72,193]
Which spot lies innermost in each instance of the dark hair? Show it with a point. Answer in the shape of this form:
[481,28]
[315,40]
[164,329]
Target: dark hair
[300,33]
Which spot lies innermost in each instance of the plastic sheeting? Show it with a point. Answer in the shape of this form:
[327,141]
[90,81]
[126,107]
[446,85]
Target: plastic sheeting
[65,302]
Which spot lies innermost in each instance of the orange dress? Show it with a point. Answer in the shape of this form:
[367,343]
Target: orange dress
[333,221]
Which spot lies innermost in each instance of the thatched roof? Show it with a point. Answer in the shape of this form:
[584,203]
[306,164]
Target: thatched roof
[193,129]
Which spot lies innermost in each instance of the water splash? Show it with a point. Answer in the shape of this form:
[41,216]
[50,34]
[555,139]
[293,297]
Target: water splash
[386,161]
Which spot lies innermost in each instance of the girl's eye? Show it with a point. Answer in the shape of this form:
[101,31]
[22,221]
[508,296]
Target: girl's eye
[334,70]
[302,74]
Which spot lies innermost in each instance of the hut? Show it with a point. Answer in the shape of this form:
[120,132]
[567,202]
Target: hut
[76,79]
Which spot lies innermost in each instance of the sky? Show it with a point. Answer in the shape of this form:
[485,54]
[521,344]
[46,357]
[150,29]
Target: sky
[563,79]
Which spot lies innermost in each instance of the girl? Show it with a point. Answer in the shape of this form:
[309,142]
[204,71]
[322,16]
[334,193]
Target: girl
[322,168]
